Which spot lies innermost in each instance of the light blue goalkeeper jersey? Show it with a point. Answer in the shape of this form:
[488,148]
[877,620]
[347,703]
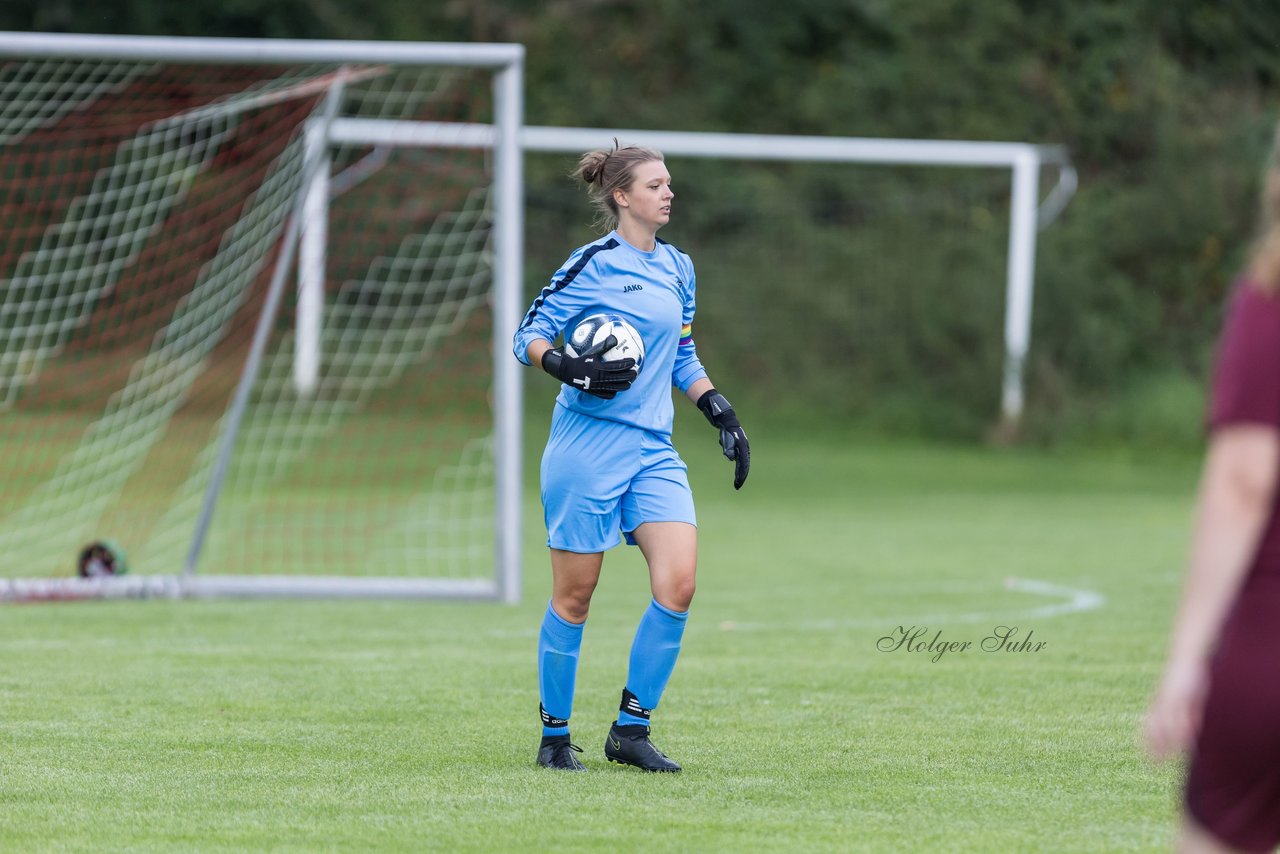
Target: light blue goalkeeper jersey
[655,292]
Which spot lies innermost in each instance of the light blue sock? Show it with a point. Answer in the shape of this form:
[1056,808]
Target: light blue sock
[558,645]
[653,657]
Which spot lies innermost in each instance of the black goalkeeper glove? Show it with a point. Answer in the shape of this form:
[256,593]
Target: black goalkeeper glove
[589,372]
[733,441]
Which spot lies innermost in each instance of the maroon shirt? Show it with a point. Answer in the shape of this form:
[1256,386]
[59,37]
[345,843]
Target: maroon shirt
[1246,386]
[1233,786]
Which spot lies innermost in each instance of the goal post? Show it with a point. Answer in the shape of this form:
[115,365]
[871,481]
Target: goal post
[161,384]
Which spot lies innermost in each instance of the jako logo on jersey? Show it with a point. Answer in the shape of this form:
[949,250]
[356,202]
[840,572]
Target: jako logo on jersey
[629,288]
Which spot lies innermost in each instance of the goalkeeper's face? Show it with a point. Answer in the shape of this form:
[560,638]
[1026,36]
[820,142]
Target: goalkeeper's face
[648,199]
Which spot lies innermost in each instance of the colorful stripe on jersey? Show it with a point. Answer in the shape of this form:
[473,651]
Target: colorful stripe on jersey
[686,335]
[566,279]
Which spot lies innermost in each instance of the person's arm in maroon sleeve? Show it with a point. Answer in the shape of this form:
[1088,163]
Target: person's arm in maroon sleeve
[1236,492]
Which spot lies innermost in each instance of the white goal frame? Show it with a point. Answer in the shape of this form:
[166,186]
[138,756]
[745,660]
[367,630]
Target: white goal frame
[1024,160]
[507,63]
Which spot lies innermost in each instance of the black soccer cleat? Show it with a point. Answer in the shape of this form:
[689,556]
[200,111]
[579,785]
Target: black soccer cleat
[556,752]
[630,745]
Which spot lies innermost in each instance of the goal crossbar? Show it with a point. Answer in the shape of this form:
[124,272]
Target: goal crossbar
[264,51]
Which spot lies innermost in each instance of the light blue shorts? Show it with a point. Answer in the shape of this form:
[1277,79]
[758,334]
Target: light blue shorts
[601,477]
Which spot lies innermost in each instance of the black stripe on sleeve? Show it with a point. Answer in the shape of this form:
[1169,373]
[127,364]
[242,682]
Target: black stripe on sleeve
[566,279]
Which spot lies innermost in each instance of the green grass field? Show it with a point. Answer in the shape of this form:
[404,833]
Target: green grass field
[305,725]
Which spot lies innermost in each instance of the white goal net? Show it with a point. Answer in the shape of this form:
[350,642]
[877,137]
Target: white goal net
[166,386]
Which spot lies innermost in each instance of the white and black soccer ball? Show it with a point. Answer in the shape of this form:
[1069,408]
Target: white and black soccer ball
[101,558]
[596,328]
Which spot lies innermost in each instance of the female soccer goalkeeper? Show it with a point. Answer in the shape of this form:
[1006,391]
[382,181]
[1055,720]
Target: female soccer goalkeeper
[1219,695]
[609,464]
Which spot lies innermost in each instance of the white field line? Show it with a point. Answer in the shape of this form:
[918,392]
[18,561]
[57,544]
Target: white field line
[1072,601]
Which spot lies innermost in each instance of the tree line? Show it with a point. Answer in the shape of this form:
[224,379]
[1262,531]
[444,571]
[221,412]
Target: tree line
[1167,108]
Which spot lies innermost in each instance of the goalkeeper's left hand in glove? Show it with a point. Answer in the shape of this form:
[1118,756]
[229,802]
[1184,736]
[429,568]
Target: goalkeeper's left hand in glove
[733,440]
